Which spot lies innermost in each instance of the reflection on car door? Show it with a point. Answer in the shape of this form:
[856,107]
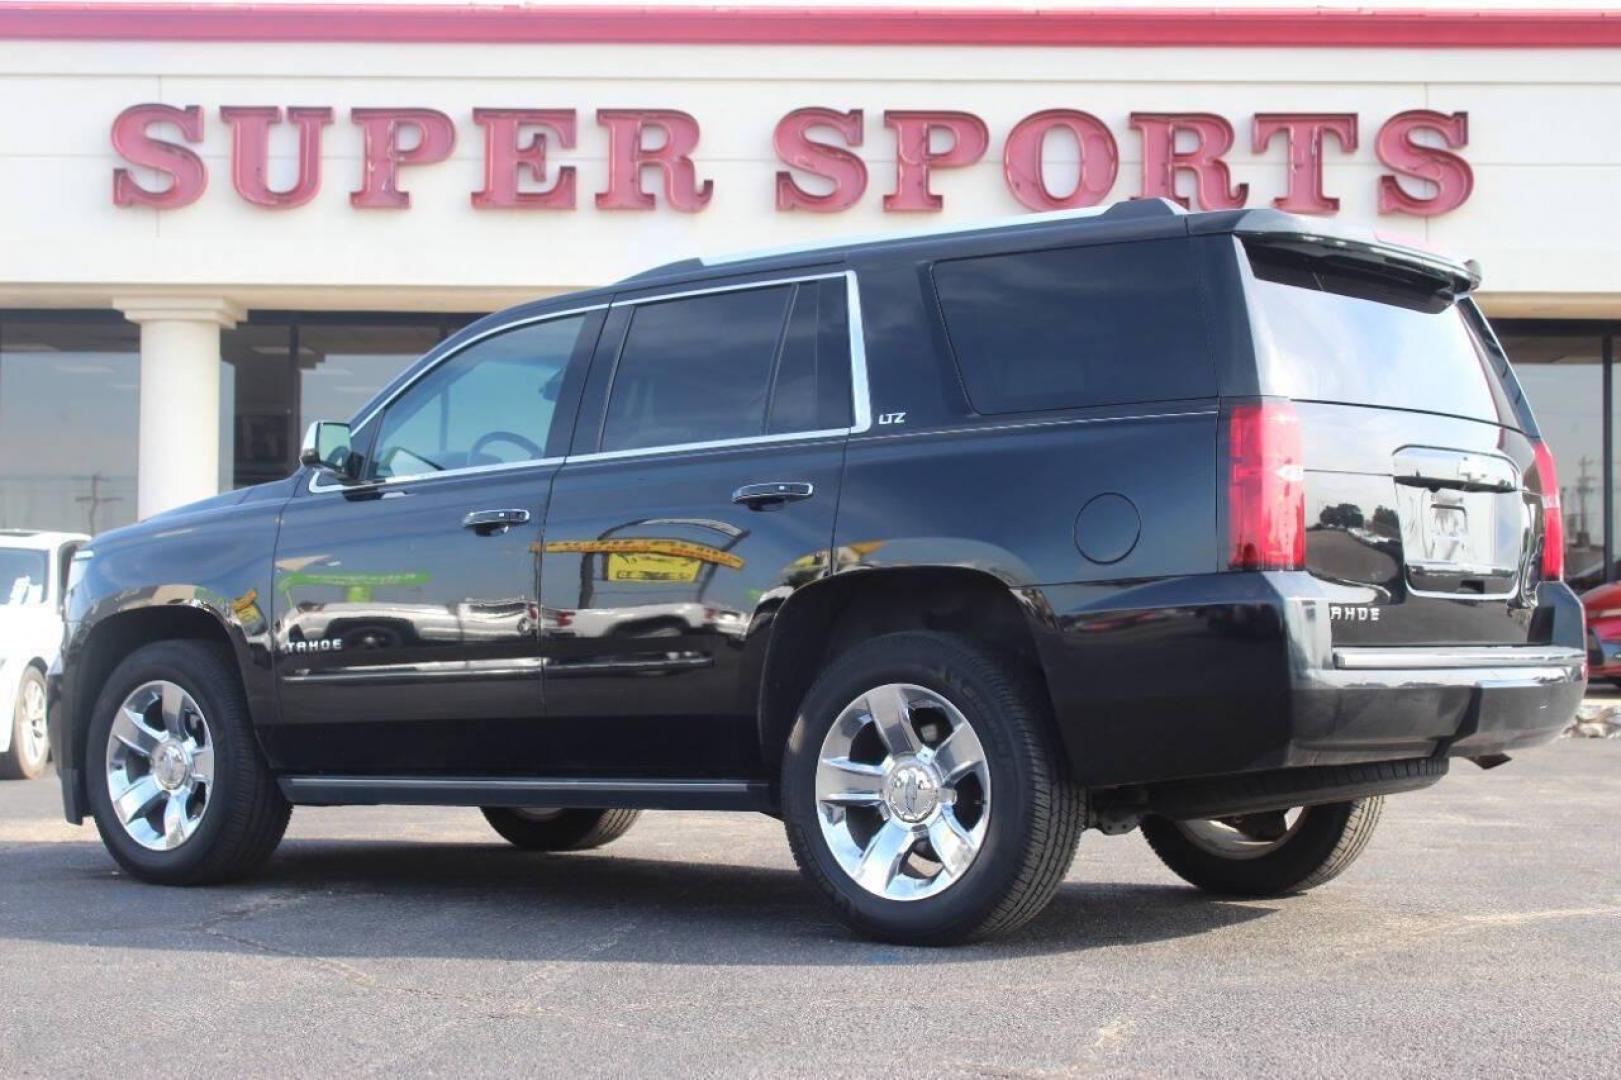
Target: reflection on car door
[407,606]
[700,492]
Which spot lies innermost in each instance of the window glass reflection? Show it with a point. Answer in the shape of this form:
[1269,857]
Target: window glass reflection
[69,404]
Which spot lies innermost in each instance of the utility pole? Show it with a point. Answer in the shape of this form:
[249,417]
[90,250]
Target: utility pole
[96,500]
[1584,488]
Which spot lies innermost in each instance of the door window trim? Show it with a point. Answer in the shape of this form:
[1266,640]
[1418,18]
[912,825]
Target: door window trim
[860,397]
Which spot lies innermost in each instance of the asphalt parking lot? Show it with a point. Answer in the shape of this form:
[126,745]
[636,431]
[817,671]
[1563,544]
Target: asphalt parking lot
[1480,934]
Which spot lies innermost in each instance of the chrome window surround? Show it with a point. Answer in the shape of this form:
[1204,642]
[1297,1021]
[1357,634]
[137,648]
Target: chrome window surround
[860,398]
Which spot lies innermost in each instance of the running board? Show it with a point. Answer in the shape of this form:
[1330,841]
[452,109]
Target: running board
[629,794]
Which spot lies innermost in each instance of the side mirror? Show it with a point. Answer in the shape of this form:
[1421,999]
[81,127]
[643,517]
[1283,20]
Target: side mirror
[326,447]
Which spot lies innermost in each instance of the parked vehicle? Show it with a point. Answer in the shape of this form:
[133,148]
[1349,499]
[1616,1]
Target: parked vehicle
[1603,606]
[33,579]
[941,548]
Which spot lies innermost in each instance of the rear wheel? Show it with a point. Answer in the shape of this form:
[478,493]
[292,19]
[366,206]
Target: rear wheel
[559,829]
[924,793]
[177,786]
[30,743]
[1269,854]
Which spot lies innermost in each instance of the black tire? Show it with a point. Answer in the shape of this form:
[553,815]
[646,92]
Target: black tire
[1326,841]
[246,814]
[1036,813]
[16,763]
[560,830]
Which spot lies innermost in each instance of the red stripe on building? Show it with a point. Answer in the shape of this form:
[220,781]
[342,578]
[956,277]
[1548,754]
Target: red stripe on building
[810,26]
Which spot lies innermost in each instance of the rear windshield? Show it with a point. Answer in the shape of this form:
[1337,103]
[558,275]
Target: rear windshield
[1343,334]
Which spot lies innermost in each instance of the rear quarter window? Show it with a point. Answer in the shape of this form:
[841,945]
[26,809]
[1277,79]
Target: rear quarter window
[1107,324]
[1340,334]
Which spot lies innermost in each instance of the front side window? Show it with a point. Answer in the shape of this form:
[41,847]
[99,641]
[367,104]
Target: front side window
[22,576]
[490,404]
[696,369]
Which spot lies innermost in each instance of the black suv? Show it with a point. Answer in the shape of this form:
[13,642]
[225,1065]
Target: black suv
[941,548]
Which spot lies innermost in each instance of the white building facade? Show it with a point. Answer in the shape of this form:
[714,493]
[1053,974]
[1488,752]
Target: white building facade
[219,223]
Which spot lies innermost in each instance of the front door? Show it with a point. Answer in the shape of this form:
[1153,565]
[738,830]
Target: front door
[700,491]
[407,606]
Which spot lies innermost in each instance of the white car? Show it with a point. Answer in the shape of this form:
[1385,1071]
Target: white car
[33,581]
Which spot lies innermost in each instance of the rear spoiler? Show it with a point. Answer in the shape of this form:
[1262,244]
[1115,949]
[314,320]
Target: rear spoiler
[1348,245]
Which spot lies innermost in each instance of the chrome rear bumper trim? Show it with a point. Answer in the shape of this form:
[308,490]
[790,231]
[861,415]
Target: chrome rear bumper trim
[1450,657]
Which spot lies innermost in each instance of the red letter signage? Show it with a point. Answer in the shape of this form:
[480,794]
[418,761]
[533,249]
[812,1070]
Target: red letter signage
[796,149]
[914,159]
[508,159]
[1021,159]
[1304,133]
[627,156]
[250,153]
[383,155]
[1161,159]
[820,167]
[1451,175]
[188,176]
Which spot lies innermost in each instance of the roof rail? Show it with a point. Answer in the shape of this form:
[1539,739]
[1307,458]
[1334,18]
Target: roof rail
[1127,210]
[1131,208]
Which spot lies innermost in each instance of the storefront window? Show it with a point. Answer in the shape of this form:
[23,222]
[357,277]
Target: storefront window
[342,365]
[69,408]
[292,370]
[262,419]
[1563,376]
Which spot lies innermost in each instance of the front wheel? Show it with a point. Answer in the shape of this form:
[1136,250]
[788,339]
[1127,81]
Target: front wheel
[30,744]
[924,793]
[1268,854]
[178,788]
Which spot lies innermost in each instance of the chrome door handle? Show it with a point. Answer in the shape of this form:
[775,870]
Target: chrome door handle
[491,522]
[772,495]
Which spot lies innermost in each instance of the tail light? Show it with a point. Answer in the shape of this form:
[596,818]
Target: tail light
[1266,488]
[1553,515]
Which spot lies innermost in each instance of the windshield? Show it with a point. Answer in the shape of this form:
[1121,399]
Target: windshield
[22,576]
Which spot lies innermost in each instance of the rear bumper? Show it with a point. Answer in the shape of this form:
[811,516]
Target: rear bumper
[1224,674]
[1457,702]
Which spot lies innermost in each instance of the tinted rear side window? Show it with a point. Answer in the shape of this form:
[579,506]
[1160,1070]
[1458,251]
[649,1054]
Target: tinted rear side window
[1109,324]
[811,390]
[696,369]
[1343,334]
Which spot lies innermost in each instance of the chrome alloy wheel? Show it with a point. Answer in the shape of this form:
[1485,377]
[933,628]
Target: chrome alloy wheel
[903,792]
[1248,837]
[160,765]
[36,738]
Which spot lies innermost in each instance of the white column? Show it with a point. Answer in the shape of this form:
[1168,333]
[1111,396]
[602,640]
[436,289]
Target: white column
[178,458]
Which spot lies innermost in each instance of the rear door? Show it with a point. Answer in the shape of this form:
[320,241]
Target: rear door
[1422,488]
[699,493]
